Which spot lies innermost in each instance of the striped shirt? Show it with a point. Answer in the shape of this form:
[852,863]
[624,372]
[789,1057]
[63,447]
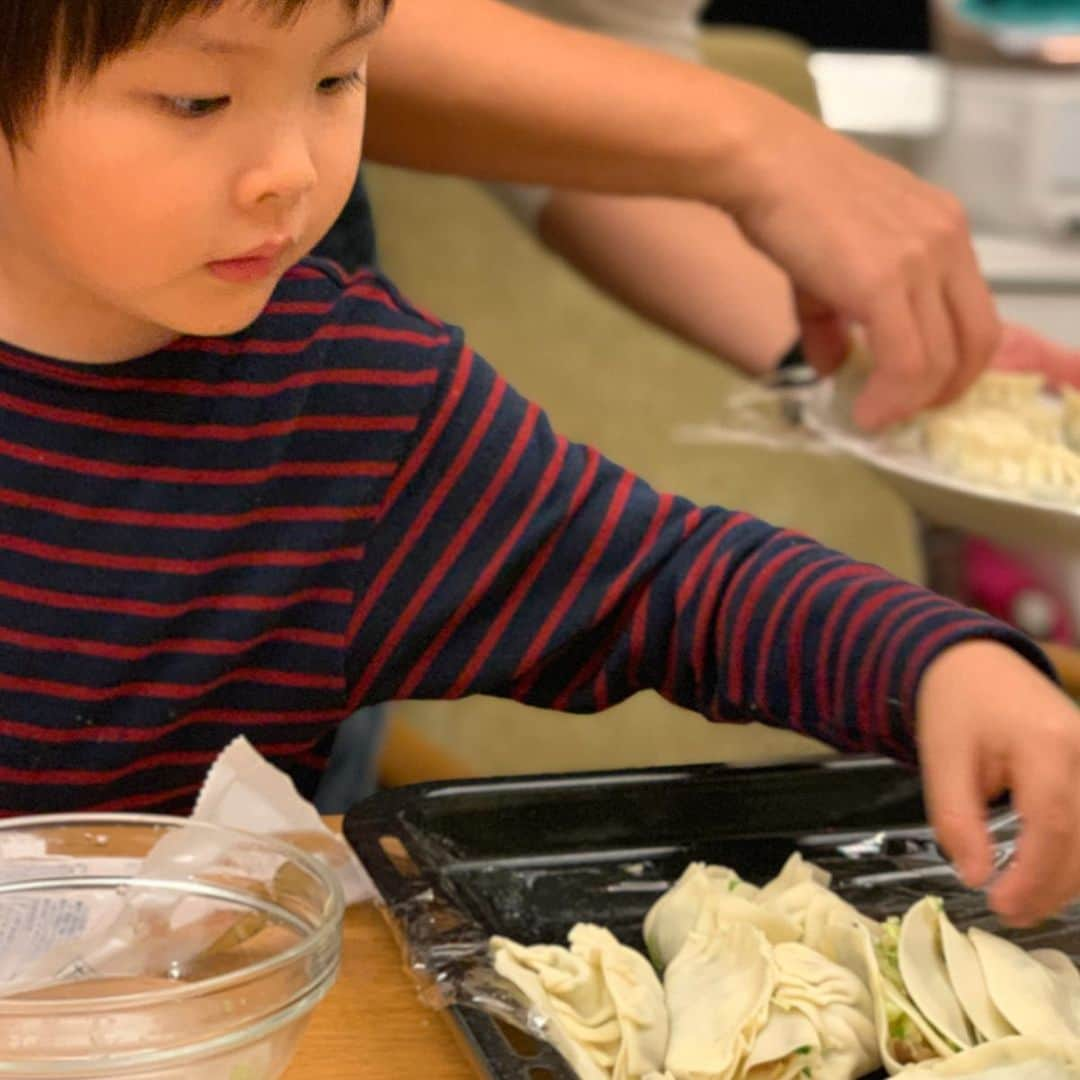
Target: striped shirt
[343,505]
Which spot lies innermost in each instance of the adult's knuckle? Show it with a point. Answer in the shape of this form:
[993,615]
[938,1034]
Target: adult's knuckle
[914,252]
[953,215]
[1057,821]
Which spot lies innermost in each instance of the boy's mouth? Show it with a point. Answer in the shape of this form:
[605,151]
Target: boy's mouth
[253,266]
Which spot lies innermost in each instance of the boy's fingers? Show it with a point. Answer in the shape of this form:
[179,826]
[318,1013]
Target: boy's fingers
[1040,878]
[957,808]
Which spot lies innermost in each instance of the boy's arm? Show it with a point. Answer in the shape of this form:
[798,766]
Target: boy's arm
[507,561]
[455,86]
[510,562]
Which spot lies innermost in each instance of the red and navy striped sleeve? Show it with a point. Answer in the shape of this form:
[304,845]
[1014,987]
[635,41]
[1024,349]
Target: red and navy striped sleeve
[342,505]
[508,561]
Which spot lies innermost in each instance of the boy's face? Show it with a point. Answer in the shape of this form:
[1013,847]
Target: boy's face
[169,194]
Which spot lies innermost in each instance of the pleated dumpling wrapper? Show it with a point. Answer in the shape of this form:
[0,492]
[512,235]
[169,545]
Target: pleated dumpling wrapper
[602,1003]
[966,976]
[925,974]
[1060,965]
[570,996]
[716,889]
[904,1035]
[1018,1057]
[811,908]
[640,1007]
[1033,999]
[821,1021]
[796,871]
[786,1047]
[718,988]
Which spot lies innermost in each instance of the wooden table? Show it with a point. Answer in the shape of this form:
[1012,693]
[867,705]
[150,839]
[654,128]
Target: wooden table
[372,1025]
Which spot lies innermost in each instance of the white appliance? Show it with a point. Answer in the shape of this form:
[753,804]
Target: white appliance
[1005,138]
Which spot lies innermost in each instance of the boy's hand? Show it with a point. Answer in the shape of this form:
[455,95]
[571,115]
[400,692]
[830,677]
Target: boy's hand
[988,722]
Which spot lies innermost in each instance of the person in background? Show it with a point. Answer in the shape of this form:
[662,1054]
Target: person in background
[686,267]
[481,89]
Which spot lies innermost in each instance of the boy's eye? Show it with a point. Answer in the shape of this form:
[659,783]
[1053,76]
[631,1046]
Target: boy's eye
[338,84]
[193,108]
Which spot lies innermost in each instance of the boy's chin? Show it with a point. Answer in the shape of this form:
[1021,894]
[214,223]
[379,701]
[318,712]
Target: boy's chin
[223,318]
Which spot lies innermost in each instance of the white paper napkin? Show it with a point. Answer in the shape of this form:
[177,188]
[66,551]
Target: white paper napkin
[243,790]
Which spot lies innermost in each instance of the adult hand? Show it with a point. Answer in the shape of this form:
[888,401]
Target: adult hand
[988,722]
[866,242]
[1022,349]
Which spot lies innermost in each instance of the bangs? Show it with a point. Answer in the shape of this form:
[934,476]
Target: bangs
[73,38]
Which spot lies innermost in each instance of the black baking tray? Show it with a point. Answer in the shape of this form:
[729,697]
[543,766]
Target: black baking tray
[530,856]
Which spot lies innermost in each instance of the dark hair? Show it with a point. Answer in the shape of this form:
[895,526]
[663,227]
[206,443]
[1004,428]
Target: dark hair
[75,37]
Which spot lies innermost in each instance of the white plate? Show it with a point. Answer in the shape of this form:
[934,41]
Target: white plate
[1008,518]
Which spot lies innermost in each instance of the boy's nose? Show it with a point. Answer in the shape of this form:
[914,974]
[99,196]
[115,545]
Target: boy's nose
[285,170]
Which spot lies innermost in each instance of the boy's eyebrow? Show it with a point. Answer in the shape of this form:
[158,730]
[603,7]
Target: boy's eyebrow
[371,21]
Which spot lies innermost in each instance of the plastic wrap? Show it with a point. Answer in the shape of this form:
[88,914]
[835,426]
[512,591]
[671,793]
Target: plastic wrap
[768,413]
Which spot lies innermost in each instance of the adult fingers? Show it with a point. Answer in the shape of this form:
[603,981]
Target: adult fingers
[972,311]
[940,341]
[823,334]
[901,366]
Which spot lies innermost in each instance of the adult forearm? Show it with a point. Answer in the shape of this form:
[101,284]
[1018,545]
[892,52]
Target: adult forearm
[478,88]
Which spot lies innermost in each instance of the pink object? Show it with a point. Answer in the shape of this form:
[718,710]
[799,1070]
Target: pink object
[1009,587]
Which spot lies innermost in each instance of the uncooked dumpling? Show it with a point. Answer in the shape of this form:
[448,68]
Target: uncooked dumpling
[1060,964]
[925,975]
[903,1033]
[786,1046]
[1015,1058]
[1032,998]
[570,995]
[966,976]
[811,907]
[711,893]
[637,995]
[1013,391]
[838,1007]
[999,451]
[1009,433]
[718,989]
[1071,406]
[796,871]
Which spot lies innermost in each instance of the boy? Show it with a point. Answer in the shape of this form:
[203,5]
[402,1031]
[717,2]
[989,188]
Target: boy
[241,494]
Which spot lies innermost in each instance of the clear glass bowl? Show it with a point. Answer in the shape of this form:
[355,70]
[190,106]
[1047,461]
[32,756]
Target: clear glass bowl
[152,948]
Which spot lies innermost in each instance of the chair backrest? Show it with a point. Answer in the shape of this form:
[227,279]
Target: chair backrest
[768,58]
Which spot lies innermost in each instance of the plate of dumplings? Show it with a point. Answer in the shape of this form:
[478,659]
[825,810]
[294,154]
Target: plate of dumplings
[791,982]
[1003,461]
